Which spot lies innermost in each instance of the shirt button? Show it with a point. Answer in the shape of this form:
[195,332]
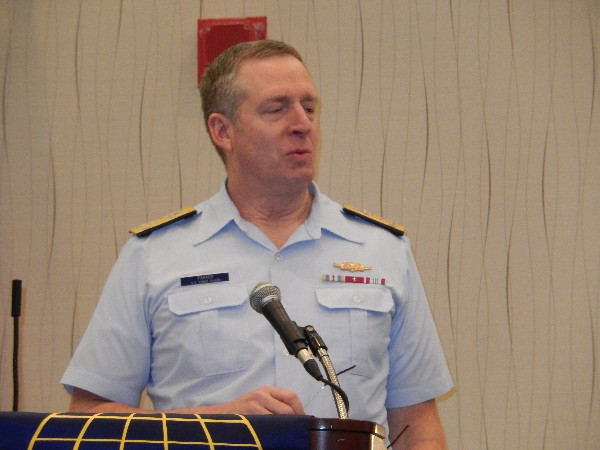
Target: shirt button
[208,300]
[278,257]
[356,299]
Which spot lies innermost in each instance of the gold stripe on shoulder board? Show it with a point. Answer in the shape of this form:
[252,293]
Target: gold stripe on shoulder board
[147,228]
[392,227]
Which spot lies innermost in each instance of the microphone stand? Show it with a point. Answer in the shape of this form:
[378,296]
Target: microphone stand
[318,347]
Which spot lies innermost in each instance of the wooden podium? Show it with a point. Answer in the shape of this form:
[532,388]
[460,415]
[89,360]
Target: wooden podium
[67,431]
[343,434]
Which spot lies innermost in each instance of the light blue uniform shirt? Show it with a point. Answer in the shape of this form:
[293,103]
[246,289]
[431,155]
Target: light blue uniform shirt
[201,344]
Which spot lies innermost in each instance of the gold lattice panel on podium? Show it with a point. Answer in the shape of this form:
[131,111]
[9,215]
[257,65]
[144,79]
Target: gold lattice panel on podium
[148,431]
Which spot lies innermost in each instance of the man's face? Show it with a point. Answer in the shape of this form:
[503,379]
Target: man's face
[275,137]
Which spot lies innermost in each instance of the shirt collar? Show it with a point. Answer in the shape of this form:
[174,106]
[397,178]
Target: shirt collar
[216,213]
[328,215]
[219,211]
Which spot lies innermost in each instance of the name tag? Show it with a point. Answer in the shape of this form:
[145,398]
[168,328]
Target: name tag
[204,279]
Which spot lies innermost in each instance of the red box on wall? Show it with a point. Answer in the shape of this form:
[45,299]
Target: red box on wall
[216,35]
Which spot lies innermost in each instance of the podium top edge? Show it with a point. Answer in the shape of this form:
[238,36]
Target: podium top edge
[348,425]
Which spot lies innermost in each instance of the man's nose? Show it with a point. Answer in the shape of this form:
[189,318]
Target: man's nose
[301,120]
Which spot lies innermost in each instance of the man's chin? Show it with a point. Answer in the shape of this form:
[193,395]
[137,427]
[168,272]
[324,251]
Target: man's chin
[303,176]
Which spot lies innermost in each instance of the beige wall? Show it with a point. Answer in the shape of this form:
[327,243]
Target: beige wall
[476,124]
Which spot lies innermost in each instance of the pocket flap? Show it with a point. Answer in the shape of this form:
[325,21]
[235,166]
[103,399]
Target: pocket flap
[204,298]
[369,298]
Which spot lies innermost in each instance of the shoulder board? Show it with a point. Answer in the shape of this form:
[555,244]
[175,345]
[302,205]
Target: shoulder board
[392,227]
[147,228]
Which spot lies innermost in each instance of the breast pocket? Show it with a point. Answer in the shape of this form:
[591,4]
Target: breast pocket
[358,322]
[211,318]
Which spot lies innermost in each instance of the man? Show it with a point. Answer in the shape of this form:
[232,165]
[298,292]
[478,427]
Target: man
[174,316]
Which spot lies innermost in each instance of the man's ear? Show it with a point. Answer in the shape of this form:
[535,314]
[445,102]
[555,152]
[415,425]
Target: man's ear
[219,127]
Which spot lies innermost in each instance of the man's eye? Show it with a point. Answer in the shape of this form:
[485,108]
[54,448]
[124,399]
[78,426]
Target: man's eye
[310,108]
[274,109]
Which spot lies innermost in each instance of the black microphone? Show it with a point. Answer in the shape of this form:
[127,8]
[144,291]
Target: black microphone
[265,298]
[16,298]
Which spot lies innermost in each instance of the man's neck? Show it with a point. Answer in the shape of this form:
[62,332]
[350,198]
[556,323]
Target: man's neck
[278,214]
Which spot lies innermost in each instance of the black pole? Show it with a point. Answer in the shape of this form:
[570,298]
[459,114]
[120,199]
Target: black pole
[16,313]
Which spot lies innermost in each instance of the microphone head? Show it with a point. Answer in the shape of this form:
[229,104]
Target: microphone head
[263,293]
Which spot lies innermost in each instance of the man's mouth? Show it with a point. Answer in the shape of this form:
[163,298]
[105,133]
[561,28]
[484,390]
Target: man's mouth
[299,152]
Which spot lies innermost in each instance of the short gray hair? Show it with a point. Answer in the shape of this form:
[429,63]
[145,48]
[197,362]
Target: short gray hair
[219,90]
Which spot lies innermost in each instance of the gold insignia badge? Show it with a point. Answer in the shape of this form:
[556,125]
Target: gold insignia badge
[352,266]
[146,229]
[394,228]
